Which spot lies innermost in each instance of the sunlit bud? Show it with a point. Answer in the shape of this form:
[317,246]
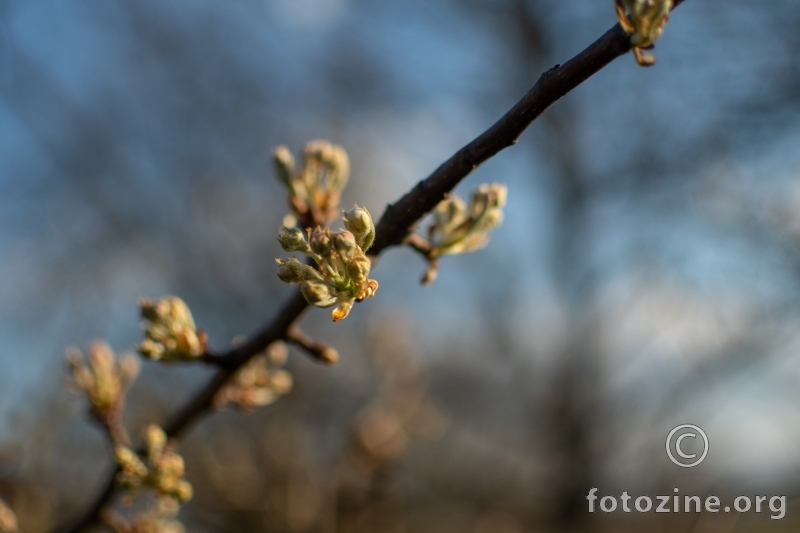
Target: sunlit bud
[493,218]
[501,194]
[329,354]
[184,491]
[105,378]
[170,333]
[342,310]
[284,165]
[449,212]
[318,293]
[339,168]
[345,244]
[322,154]
[645,24]
[359,268]
[292,240]
[171,465]
[129,366]
[320,242]
[101,358]
[293,271]
[280,381]
[155,440]
[359,222]
[369,289]
[130,463]
[277,353]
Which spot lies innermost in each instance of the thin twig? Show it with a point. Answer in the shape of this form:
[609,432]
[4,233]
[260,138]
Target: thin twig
[111,422]
[318,351]
[420,244]
[399,218]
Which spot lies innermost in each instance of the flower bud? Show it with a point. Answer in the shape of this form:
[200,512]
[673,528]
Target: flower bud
[359,268]
[318,294]
[129,367]
[130,463]
[292,240]
[293,271]
[492,219]
[501,194]
[277,353]
[368,290]
[341,312]
[155,440]
[184,491]
[170,332]
[345,244]
[284,165]
[338,168]
[359,222]
[320,243]
[280,381]
[449,213]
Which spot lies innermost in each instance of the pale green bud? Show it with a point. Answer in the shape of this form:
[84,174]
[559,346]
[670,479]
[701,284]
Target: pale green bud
[501,194]
[129,462]
[480,202]
[338,168]
[151,310]
[320,242]
[292,240]
[359,222]
[184,491]
[492,219]
[284,166]
[345,244]
[293,271]
[155,440]
[318,294]
[359,268]
[151,350]
[280,381]
[170,332]
[129,367]
[449,213]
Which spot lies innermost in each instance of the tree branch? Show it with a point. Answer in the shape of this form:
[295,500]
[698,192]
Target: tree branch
[399,219]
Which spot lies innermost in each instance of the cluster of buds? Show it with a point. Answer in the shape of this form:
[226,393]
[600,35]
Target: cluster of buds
[8,520]
[161,469]
[169,331]
[342,276]
[103,377]
[458,228]
[316,188]
[260,382]
[645,25]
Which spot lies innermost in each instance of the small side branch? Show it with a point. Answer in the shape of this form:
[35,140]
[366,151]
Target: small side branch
[425,249]
[318,351]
